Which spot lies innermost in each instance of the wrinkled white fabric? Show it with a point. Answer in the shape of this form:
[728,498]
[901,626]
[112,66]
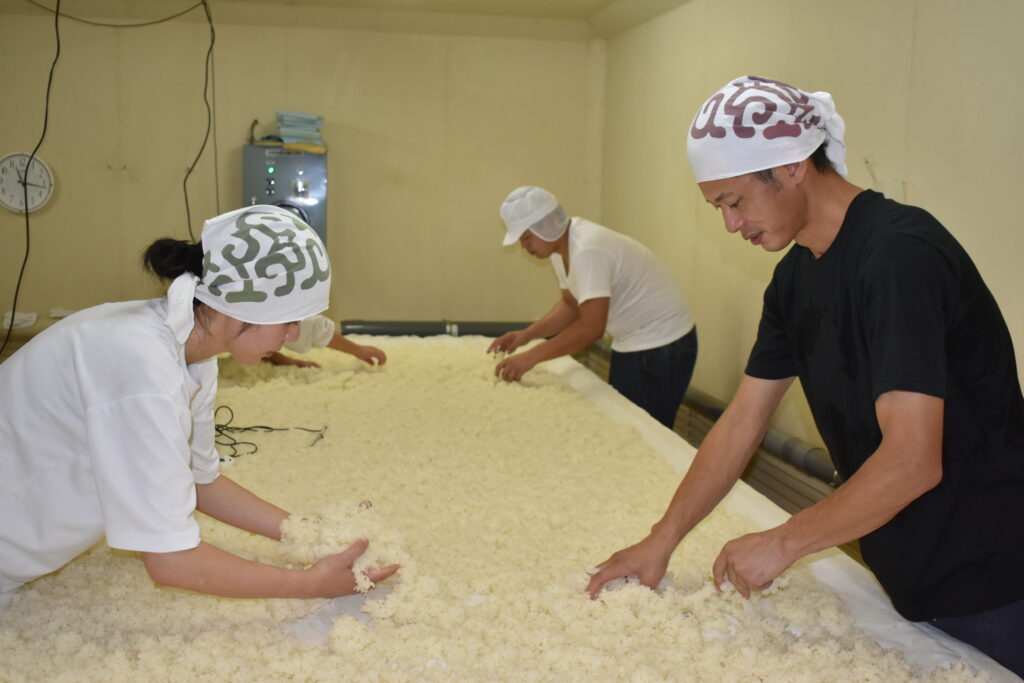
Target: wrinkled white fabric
[105,432]
[180,314]
[314,333]
[646,308]
[753,124]
[551,227]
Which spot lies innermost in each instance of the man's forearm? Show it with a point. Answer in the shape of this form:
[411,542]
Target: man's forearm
[719,462]
[570,340]
[554,321]
[907,464]
[869,499]
[722,456]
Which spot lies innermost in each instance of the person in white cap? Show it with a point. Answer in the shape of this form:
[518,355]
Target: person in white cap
[107,429]
[609,282]
[907,364]
[319,332]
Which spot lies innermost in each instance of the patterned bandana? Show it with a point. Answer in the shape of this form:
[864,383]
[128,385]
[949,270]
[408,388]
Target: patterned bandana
[753,124]
[261,265]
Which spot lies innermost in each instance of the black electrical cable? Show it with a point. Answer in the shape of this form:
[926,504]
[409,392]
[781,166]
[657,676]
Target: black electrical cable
[100,23]
[24,181]
[208,77]
[209,115]
[226,439]
[216,152]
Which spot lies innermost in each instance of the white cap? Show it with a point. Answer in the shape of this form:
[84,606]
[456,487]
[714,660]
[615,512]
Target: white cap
[524,207]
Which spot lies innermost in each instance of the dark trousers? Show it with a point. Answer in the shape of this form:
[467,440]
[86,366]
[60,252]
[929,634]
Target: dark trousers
[996,632]
[656,379]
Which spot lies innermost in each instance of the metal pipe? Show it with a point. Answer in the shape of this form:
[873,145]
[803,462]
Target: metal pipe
[415,328]
[484,329]
[429,328]
[808,458]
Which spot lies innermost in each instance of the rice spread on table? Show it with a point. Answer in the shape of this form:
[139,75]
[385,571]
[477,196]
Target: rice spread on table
[496,499]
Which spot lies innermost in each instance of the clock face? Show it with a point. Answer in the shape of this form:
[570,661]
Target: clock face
[15,177]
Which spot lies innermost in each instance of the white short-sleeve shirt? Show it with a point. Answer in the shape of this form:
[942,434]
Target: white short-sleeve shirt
[646,308]
[314,333]
[105,432]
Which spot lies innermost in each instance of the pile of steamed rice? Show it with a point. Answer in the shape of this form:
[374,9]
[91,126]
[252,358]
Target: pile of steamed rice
[495,498]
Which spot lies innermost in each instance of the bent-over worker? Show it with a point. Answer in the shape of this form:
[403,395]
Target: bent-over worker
[107,430]
[907,364]
[609,282]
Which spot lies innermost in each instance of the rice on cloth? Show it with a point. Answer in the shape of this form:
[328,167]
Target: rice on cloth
[495,498]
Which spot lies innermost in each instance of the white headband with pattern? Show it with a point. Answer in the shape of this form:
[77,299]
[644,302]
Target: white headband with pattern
[261,265]
[753,124]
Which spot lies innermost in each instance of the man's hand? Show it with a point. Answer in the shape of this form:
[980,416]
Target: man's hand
[752,562]
[646,560]
[370,355]
[507,343]
[513,368]
[333,575]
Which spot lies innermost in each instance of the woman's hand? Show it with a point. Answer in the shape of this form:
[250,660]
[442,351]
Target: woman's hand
[333,575]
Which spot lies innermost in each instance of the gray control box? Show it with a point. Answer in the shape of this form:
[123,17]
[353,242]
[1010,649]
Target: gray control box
[288,178]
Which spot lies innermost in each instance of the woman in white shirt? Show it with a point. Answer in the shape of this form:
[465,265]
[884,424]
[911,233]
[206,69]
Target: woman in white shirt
[107,429]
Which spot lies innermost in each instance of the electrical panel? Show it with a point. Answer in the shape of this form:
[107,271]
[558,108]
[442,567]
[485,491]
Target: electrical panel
[289,178]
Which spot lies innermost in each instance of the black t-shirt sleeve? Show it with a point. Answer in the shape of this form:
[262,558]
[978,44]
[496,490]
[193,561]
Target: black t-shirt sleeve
[905,293]
[772,355]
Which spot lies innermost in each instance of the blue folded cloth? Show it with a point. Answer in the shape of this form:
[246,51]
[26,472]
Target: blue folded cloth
[295,118]
[296,130]
[292,141]
[295,127]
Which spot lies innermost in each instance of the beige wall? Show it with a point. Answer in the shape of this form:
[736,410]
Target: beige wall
[929,93]
[431,120]
[427,132]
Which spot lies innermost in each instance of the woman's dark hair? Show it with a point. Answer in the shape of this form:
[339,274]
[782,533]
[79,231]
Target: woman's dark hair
[168,258]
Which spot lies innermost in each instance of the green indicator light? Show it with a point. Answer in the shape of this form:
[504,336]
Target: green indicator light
[270,169]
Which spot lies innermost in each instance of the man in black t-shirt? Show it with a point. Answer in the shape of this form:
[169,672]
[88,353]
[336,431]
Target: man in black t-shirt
[907,364]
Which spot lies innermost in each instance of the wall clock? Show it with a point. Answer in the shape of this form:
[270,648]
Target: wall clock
[15,176]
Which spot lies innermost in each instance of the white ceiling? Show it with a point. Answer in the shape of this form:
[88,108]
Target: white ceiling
[596,17]
[546,19]
[532,9]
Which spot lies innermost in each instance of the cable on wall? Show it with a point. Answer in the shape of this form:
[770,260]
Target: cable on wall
[207,71]
[209,80]
[24,182]
[216,153]
[100,23]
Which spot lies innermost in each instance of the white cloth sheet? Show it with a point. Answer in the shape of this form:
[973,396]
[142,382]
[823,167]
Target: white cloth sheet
[20,320]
